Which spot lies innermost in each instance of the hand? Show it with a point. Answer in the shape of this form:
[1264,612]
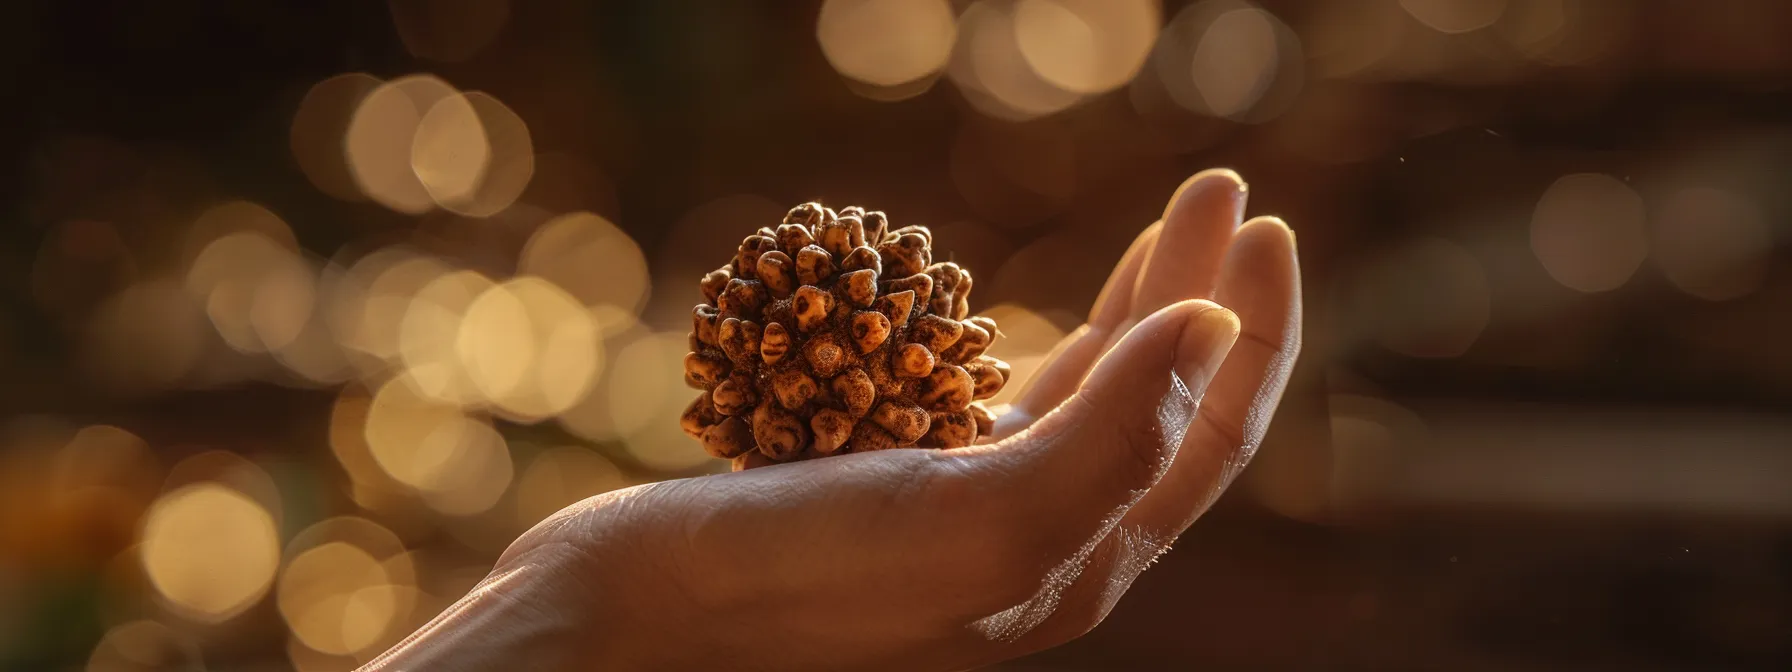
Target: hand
[922,559]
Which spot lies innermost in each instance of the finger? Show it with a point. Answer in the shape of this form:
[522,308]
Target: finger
[1099,451]
[1066,481]
[1070,360]
[1260,280]
[1198,225]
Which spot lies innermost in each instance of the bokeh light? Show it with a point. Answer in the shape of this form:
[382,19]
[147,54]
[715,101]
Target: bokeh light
[530,348]
[585,254]
[886,43]
[1086,46]
[644,404]
[319,127]
[372,314]
[510,159]
[346,584]
[258,293]
[427,336]
[144,646]
[449,151]
[1588,232]
[1712,244]
[1229,59]
[456,462]
[209,551]
[989,69]
[380,136]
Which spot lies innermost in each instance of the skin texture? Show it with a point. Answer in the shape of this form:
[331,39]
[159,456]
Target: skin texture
[929,560]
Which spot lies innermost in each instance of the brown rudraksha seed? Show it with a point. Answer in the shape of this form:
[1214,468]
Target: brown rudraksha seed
[833,333]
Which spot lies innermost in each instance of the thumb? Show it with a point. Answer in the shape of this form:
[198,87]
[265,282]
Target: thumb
[1101,449]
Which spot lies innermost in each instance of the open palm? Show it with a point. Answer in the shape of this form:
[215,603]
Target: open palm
[920,559]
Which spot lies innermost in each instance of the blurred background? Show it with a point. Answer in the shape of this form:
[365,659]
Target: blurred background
[308,309]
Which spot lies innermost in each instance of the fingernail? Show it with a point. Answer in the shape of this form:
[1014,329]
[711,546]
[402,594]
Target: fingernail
[1206,340]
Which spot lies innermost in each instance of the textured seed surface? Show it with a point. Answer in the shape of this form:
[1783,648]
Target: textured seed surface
[833,332]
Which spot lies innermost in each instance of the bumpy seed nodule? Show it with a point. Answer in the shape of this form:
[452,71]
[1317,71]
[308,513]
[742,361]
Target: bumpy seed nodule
[831,333]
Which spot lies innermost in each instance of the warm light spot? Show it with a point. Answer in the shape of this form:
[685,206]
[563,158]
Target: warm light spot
[457,463]
[530,347]
[886,43]
[1588,232]
[474,468]
[1712,244]
[231,470]
[235,217]
[306,659]
[427,334]
[1230,59]
[559,477]
[639,384]
[1026,338]
[449,152]
[209,551]
[143,646]
[1086,46]
[147,336]
[991,71]
[318,130]
[336,598]
[386,301]
[1455,16]
[102,480]
[647,395]
[348,588]
[251,286]
[348,438]
[398,430]
[282,304]
[510,160]
[592,417]
[380,136]
[496,344]
[1428,298]
[448,31]
[314,355]
[1235,61]
[588,256]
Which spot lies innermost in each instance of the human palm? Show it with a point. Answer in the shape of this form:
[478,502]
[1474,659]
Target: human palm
[919,559]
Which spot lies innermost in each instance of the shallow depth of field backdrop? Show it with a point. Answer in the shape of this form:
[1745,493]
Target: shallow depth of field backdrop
[307,309]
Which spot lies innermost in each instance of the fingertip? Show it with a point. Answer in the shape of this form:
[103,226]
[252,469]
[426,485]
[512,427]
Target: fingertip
[1213,182]
[1207,337]
[1268,225]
